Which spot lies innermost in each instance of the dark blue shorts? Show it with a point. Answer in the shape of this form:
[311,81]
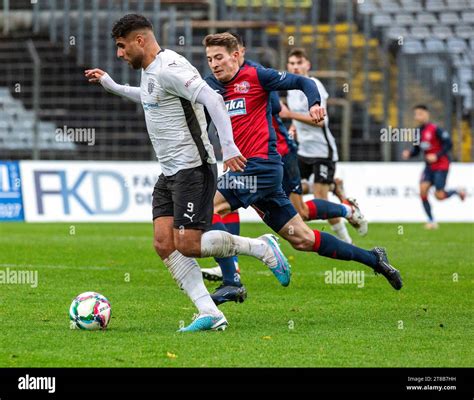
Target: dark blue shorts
[291,174]
[259,186]
[436,178]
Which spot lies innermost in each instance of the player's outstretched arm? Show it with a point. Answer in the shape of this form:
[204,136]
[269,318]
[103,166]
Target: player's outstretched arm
[96,75]
[272,80]
[217,110]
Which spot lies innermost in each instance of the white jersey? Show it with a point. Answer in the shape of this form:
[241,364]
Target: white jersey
[176,124]
[314,142]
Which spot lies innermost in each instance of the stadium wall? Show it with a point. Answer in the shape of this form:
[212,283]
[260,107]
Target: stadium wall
[57,191]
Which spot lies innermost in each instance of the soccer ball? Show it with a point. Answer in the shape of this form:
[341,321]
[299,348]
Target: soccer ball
[90,311]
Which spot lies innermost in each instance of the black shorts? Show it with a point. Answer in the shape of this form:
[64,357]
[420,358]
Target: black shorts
[187,196]
[322,169]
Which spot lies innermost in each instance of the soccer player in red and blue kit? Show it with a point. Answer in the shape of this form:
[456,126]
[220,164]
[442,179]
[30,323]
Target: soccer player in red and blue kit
[315,209]
[435,143]
[245,90]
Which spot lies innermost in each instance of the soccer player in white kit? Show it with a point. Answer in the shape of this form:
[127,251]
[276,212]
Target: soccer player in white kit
[173,96]
[317,150]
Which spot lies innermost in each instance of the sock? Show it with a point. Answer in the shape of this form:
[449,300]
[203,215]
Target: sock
[449,193]
[427,207]
[232,223]
[188,276]
[223,244]
[329,246]
[323,209]
[340,229]
[230,277]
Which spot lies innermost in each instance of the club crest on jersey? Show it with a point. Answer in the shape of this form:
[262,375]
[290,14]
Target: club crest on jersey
[151,86]
[236,107]
[242,87]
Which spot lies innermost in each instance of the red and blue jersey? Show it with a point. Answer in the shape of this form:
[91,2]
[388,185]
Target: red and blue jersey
[434,140]
[246,97]
[285,144]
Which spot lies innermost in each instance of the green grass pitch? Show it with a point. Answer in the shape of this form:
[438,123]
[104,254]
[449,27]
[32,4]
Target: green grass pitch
[429,323]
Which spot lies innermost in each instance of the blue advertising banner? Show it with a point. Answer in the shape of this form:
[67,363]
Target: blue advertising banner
[11,202]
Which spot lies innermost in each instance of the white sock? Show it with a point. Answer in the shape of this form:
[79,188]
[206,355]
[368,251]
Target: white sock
[341,232]
[223,244]
[348,211]
[188,276]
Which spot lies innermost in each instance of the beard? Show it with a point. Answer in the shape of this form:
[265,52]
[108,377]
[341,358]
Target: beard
[136,63]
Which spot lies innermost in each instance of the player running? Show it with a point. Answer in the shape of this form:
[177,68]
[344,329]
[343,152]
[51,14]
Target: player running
[311,210]
[246,93]
[173,94]
[435,144]
[317,150]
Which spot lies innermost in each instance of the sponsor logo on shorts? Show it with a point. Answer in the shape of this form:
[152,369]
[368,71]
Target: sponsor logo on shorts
[189,216]
[323,171]
[236,107]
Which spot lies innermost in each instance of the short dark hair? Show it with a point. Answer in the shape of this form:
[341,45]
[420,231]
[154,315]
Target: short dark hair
[421,107]
[299,53]
[240,39]
[222,39]
[129,23]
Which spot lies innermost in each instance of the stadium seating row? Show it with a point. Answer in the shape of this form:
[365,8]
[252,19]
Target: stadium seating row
[17,127]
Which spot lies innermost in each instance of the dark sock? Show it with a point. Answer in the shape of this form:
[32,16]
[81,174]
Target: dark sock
[329,246]
[427,207]
[230,277]
[323,209]
[449,193]
[232,223]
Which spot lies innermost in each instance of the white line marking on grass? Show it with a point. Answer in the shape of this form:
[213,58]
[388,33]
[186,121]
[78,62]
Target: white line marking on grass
[95,268]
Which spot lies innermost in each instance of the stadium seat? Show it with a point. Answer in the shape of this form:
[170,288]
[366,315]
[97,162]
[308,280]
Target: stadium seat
[457,4]
[435,5]
[456,45]
[404,20]
[449,18]
[465,74]
[435,45]
[461,60]
[468,17]
[412,46]
[4,93]
[442,32]
[464,31]
[368,7]
[411,5]
[396,32]
[420,32]
[382,20]
[390,6]
[426,19]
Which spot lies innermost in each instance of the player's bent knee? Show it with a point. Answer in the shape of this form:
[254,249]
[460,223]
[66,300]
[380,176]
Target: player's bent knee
[163,248]
[440,195]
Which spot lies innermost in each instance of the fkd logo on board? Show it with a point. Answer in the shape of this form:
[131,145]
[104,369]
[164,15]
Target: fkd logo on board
[91,181]
[236,107]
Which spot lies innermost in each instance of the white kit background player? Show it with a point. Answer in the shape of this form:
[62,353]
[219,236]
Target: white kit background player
[317,150]
[173,94]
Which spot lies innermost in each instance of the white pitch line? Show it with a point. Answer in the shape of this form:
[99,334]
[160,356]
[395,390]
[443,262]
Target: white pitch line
[95,268]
